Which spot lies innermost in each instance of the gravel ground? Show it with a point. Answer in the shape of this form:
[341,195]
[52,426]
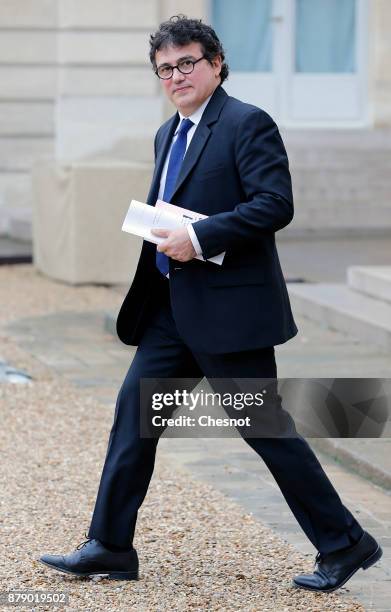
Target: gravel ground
[25,292]
[198,550]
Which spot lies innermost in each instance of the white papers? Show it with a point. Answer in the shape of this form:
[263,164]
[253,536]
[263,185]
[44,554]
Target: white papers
[142,218]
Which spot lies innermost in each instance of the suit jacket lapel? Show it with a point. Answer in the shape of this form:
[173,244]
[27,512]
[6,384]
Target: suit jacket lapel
[196,146]
[202,134]
[160,158]
[198,142]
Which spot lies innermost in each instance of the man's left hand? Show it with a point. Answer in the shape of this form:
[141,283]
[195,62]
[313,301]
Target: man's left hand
[177,244]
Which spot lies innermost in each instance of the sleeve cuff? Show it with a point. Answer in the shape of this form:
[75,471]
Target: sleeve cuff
[194,239]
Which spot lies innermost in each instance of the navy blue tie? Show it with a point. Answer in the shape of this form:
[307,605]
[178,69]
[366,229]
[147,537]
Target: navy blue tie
[177,154]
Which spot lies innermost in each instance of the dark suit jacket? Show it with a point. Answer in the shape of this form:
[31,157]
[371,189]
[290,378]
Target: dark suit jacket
[235,170]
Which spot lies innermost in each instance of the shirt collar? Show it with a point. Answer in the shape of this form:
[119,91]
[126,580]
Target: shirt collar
[196,116]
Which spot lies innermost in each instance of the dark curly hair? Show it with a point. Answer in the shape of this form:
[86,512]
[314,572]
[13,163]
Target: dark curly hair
[179,30]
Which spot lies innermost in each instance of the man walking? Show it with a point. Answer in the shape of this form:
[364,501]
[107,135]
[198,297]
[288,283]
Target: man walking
[225,159]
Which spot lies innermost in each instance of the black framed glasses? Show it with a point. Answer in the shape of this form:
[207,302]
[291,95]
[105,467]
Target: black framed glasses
[185,66]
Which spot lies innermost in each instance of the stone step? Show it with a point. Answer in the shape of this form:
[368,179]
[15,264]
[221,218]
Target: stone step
[371,280]
[336,306]
[368,457]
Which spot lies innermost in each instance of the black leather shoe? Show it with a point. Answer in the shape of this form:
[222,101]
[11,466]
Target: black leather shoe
[333,569]
[91,558]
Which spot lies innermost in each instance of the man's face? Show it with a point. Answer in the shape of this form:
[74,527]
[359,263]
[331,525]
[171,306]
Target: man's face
[188,91]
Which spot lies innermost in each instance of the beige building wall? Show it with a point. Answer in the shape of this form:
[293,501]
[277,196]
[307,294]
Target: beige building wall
[76,84]
[105,94]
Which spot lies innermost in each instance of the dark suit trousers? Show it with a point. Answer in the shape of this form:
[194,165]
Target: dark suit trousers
[130,459]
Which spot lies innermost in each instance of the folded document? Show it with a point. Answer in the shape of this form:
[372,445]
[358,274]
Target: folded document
[142,218]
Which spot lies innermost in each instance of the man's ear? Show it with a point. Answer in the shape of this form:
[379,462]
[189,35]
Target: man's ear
[217,63]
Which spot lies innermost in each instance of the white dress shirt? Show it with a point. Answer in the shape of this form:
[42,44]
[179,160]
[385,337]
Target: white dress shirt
[195,118]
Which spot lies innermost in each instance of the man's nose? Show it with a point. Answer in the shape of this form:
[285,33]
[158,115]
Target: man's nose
[177,76]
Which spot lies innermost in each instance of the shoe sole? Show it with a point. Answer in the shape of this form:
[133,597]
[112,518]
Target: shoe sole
[133,575]
[371,560]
